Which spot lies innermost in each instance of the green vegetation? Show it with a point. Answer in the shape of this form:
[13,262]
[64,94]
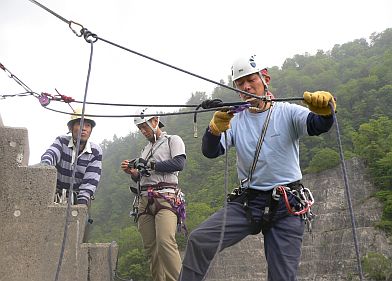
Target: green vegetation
[358,73]
[377,266]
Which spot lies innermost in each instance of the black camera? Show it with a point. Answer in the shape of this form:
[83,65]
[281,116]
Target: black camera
[141,167]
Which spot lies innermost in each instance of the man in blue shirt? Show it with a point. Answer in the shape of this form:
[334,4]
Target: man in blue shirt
[266,139]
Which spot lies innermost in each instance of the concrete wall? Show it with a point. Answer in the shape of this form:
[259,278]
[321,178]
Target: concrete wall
[32,227]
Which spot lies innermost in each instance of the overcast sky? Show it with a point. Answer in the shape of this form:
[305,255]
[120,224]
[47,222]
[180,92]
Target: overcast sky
[202,37]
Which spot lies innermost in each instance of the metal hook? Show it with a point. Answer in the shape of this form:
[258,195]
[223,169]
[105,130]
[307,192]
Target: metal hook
[72,23]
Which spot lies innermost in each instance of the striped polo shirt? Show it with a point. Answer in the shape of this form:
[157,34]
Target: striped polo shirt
[62,154]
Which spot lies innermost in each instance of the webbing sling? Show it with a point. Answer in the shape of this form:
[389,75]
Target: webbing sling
[258,147]
[257,226]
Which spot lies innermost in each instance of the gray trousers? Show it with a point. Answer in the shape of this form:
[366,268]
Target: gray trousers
[282,242]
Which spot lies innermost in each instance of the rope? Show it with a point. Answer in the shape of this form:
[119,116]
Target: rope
[348,194]
[25,94]
[110,261]
[224,218]
[67,221]
[84,32]
[145,115]
[49,10]
[17,80]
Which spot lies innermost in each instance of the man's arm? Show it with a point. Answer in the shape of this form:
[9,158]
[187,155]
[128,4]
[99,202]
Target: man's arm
[211,146]
[53,154]
[317,124]
[171,165]
[91,178]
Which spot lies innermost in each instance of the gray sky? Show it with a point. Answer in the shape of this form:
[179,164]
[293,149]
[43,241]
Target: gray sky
[200,36]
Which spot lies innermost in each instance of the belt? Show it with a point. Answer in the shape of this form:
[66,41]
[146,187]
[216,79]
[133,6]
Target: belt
[158,186]
[291,185]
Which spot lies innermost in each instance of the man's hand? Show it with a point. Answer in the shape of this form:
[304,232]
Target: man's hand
[220,122]
[142,166]
[40,165]
[318,102]
[127,167]
[82,202]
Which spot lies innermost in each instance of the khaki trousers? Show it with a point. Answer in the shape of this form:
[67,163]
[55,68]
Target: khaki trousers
[158,235]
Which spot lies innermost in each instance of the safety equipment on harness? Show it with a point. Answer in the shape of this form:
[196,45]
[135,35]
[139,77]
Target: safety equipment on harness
[176,201]
[76,116]
[305,201]
[318,102]
[248,65]
[220,122]
[299,205]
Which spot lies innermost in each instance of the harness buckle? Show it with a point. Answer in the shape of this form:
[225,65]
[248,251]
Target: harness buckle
[243,182]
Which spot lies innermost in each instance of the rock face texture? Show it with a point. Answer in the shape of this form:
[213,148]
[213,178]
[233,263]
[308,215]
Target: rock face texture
[328,252]
[32,226]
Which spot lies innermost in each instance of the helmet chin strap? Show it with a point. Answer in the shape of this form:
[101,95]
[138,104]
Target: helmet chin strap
[154,129]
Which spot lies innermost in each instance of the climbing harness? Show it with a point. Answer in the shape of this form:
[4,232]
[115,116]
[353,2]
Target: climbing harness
[175,199]
[301,206]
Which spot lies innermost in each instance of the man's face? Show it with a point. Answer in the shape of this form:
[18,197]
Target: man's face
[146,130]
[252,84]
[86,131]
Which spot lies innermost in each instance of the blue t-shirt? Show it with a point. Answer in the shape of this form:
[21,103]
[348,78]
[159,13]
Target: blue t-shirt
[278,161]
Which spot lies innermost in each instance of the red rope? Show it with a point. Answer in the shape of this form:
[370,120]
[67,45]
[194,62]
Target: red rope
[308,203]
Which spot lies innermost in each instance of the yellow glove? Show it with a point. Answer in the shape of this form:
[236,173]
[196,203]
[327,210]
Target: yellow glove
[220,122]
[318,102]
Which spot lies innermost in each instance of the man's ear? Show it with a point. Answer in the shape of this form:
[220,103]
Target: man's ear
[267,79]
[156,120]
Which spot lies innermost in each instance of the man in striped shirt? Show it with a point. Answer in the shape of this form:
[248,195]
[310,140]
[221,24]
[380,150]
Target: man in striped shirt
[88,162]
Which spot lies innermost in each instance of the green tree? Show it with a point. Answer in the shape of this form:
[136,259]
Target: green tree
[323,159]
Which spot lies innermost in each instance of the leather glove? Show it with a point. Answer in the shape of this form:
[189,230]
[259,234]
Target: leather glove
[220,122]
[318,102]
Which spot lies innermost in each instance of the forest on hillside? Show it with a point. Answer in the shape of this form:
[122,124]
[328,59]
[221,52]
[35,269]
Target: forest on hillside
[358,73]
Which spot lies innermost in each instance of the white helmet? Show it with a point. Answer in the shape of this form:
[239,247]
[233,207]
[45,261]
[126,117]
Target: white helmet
[245,66]
[142,119]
